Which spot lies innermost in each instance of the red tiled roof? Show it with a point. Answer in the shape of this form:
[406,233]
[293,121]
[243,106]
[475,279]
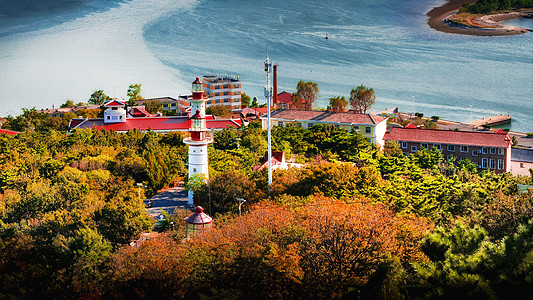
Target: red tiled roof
[325,116]
[140,111]
[475,138]
[256,111]
[154,123]
[9,132]
[114,103]
[284,97]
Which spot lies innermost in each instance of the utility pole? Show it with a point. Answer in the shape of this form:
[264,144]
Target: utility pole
[268,95]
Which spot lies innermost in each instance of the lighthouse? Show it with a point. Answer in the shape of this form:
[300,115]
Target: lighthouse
[198,138]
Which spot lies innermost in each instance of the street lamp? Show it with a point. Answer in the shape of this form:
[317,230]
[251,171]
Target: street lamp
[241,201]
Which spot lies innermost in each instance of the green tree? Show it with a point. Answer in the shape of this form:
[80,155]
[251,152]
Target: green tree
[69,103]
[362,99]
[339,102]
[308,91]
[98,97]
[134,93]
[245,100]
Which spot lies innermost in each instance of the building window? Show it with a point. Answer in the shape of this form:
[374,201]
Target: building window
[451,148]
[500,151]
[484,162]
[475,152]
[492,150]
[521,165]
[464,149]
[368,130]
[404,145]
[194,170]
[108,117]
[500,164]
[355,127]
[413,148]
[424,146]
[437,146]
[226,100]
[280,123]
[217,101]
[485,150]
[492,164]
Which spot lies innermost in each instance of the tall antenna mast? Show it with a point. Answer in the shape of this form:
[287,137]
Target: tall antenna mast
[268,95]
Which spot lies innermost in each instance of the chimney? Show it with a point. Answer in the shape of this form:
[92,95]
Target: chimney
[275,87]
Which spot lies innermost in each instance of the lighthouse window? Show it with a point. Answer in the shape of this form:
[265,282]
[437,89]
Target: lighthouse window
[194,170]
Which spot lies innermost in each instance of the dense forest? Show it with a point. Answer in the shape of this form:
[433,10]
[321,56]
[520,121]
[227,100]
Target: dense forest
[489,6]
[353,222]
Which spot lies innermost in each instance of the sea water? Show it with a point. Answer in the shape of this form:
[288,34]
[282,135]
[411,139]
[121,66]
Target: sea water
[382,44]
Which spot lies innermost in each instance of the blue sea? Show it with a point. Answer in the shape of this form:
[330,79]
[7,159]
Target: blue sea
[52,51]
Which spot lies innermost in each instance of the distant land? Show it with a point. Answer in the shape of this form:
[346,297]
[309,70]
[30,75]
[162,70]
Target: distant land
[440,18]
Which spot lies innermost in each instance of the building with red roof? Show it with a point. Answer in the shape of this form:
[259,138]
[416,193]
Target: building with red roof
[156,124]
[372,127]
[9,132]
[489,150]
[284,100]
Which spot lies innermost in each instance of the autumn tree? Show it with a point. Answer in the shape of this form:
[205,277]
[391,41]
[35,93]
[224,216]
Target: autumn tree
[362,99]
[308,91]
[219,110]
[339,102]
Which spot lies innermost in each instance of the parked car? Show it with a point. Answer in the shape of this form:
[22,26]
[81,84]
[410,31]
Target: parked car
[147,202]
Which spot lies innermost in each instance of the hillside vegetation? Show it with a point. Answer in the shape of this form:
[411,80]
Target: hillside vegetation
[354,222]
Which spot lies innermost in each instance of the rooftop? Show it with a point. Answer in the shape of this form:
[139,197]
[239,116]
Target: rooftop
[179,123]
[327,116]
[522,155]
[481,139]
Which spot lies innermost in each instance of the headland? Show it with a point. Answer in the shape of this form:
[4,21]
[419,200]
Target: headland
[443,19]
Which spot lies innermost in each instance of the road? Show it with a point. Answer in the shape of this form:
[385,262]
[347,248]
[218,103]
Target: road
[168,201]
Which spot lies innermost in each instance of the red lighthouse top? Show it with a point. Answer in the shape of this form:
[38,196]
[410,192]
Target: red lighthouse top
[197,89]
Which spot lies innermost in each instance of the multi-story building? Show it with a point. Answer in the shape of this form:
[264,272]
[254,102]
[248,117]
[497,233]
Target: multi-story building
[489,150]
[372,127]
[225,90]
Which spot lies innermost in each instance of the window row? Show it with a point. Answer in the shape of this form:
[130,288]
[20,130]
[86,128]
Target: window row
[461,148]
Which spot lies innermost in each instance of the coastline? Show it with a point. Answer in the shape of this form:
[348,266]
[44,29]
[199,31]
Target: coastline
[487,25]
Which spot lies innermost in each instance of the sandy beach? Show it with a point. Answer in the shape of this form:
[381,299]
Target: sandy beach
[483,26]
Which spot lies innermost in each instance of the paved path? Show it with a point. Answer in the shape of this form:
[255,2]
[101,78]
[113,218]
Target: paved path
[168,201]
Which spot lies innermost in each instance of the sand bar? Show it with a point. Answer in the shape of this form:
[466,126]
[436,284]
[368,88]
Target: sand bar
[484,26]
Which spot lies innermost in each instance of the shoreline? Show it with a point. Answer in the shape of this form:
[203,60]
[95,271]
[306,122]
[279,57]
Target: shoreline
[487,25]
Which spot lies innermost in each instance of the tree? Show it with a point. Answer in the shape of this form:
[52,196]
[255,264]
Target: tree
[339,102]
[308,91]
[254,103]
[362,99]
[134,92]
[98,97]
[69,103]
[220,110]
[153,106]
[245,100]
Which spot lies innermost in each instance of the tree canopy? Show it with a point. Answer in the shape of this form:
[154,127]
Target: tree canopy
[308,92]
[362,99]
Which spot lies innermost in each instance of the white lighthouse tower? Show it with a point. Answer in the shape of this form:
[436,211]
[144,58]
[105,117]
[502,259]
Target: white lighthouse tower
[198,139]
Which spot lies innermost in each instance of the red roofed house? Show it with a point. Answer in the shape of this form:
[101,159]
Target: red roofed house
[372,127]
[284,100]
[8,132]
[115,119]
[489,150]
